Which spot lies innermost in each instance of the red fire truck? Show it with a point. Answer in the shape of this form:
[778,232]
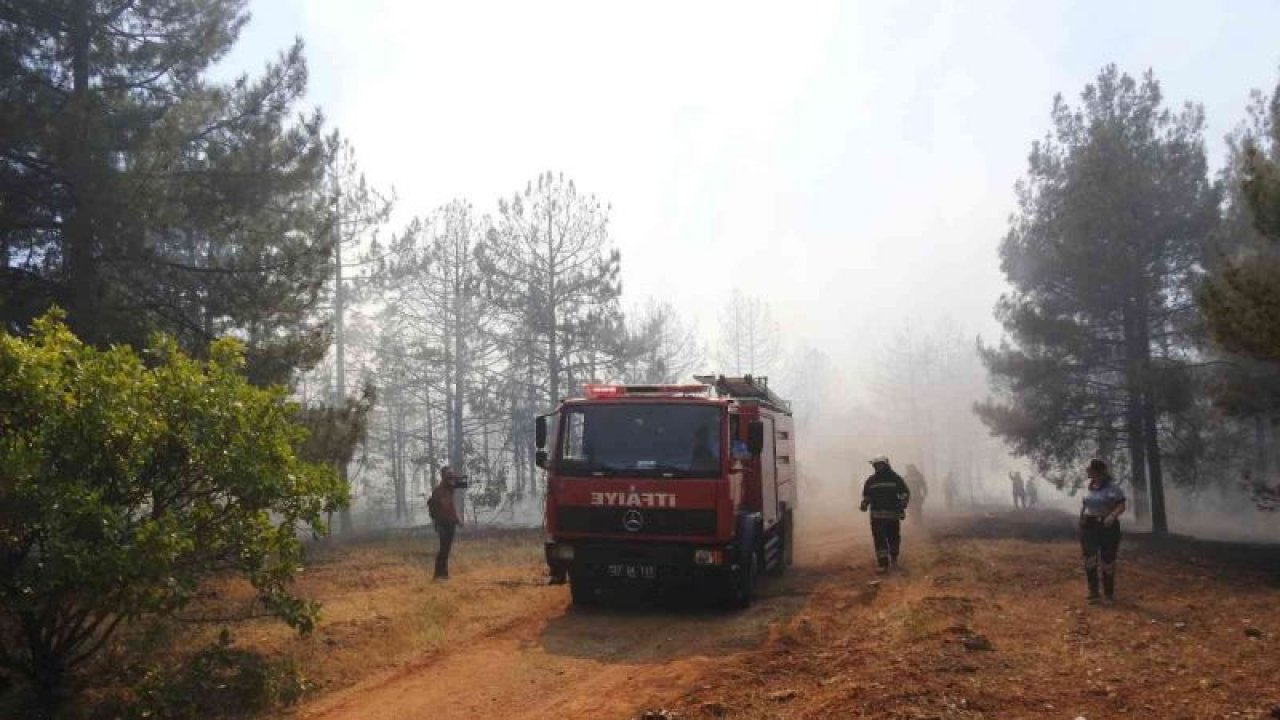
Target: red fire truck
[670,485]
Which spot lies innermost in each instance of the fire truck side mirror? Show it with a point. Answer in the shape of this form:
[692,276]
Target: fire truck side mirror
[755,437]
[540,432]
[540,459]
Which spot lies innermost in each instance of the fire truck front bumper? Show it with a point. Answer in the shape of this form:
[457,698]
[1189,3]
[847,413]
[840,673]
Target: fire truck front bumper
[623,561]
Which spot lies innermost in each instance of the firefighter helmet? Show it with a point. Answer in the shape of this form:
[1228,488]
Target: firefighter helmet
[879,460]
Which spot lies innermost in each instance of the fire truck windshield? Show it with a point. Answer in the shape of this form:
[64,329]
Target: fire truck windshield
[668,440]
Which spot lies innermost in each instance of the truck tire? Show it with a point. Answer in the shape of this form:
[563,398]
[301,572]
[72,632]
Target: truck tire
[582,590]
[740,587]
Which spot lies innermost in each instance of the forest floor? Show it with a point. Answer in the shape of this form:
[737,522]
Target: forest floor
[987,620]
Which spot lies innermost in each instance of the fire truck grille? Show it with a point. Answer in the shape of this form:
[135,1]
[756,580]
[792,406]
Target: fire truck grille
[624,520]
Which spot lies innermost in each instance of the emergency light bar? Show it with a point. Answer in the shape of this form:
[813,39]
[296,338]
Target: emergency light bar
[597,392]
[603,392]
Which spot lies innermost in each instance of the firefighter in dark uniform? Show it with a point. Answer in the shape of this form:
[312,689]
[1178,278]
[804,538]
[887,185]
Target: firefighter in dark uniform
[886,495]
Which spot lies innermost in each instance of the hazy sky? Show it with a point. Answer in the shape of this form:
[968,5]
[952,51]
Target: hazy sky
[852,163]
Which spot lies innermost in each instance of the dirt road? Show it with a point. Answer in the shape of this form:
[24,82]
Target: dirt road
[553,660]
[987,622]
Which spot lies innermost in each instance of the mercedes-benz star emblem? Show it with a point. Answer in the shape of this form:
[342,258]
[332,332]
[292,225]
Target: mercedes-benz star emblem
[632,521]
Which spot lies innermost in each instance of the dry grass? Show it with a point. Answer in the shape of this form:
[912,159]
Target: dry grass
[990,623]
[380,608]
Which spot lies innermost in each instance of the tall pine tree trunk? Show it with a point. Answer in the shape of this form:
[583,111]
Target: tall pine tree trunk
[397,460]
[456,459]
[553,346]
[402,490]
[1134,409]
[433,467]
[457,404]
[1159,521]
[81,271]
[1150,425]
[340,356]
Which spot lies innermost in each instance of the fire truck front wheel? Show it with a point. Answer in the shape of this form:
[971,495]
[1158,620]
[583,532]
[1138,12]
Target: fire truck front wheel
[582,589]
[740,585]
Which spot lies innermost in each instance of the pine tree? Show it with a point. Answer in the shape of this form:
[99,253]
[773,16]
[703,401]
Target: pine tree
[1101,254]
[659,346]
[748,343]
[435,292]
[358,211]
[1241,299]
[140,196]
[553,273]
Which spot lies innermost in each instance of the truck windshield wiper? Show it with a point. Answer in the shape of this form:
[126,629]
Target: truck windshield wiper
[583,468]
[679,469]
[646,469]
[664,468]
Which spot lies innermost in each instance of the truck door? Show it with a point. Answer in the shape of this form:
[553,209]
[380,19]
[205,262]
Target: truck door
[769,475]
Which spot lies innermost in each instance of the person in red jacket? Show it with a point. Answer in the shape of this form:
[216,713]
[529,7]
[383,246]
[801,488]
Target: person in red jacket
[443,510]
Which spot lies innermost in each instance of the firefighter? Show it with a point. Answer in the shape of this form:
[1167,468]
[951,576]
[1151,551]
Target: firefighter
[1019,490]
[1100,513]
[919,491]
[950,491]
[443,510]
[887,496]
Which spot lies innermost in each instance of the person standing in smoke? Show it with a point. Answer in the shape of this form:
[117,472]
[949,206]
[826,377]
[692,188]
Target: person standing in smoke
[1033,492]
[1019,490]
[1100,513]
[951,493]
[443,509]
[887,496]
[919,491]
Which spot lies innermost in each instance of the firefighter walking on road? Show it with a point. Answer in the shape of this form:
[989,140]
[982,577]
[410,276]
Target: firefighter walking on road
[886,495]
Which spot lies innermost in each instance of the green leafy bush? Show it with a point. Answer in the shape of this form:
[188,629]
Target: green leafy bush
[125,480]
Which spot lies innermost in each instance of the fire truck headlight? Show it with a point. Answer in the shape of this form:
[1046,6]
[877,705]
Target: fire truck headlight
[562,552]
[708,557]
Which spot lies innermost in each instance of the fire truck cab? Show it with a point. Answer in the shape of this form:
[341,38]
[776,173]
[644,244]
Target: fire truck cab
[690,486]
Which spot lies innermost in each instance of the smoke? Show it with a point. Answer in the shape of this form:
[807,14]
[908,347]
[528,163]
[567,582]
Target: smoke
[832,466]
[1221,514]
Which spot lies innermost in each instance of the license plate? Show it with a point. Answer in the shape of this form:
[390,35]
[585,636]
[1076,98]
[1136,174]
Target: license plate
[633,572]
